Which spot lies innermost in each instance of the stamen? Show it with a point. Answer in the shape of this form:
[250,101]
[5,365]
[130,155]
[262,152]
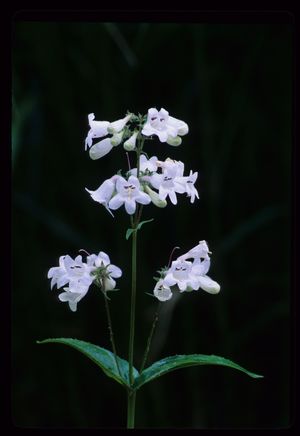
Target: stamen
[82,249]
[170,258]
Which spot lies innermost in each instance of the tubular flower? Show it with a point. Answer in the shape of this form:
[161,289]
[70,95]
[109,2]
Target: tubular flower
[164,126]
[180,274]
[99,129]
[162,291]
[189,185]
[187,275]
[128,193]
[105,192]
[79,275]
[168,183]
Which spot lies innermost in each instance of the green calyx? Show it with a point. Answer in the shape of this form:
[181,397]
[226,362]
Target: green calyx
[101,274]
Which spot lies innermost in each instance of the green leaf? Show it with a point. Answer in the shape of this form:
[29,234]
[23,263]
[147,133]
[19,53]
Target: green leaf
[130,231]
[182,361]
[103,358]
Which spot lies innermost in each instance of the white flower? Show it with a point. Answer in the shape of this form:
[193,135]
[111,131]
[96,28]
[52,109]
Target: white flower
[167,182]
[79,276]
[73,294]
[98,129]
[129,145]
[100,149]
[78,271]
[105,192]
[199,251]
[162,291]
[165,127]
[146,165]
[112,271]
[182,127]
[188,275]
[169,164]
[75,273]
[117,126]
[58,274]
[188,183]
[128,193]
[181,274]
[103,260]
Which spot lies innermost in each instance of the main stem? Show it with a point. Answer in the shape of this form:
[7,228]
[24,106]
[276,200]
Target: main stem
[134,223]
[132,311]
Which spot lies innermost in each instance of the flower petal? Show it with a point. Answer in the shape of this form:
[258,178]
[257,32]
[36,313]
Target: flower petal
[104,257]
[130,206]
[169,280]
[143,198]
[73,305]
[116,202]
[114,271]
[162,135]
[182,285]
[61,281]
[173,197]
[109,284]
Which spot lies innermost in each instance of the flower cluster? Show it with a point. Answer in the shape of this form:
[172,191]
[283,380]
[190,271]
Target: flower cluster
[187,275]
[99,129]
[159,123]
[79,275]
[166,177]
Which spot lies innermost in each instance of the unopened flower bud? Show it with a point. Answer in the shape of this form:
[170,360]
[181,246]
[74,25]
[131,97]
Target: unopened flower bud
[129,145]
[174,141]
[156,200]
[116,139]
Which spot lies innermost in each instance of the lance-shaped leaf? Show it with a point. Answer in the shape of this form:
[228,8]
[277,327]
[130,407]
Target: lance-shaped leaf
[105,359]
[171,363]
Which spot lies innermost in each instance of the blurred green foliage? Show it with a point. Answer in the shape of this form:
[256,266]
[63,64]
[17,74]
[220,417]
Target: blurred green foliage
[233,85]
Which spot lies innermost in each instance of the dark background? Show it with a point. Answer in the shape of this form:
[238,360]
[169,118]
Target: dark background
[232,84]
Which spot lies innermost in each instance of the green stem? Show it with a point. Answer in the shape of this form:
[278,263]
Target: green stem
[150,338]
[132,308]
[134,223]
[111,333]
[131,409]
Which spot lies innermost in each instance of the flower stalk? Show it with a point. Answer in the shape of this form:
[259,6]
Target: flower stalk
[149,340]
[111,333]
